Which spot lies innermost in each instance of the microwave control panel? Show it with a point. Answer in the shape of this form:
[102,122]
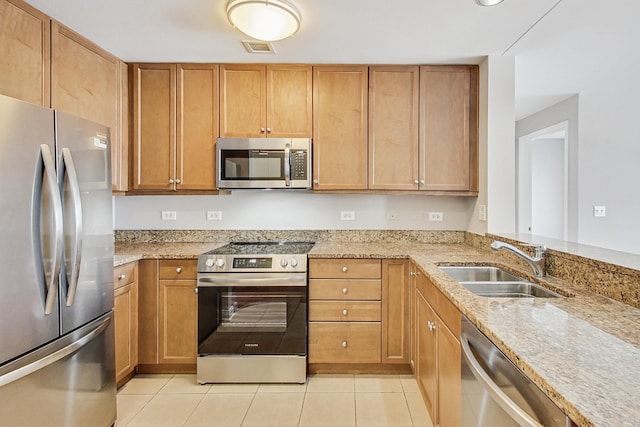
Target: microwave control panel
[299,164]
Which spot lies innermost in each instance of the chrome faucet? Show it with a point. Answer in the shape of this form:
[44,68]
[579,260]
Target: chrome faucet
[536,263]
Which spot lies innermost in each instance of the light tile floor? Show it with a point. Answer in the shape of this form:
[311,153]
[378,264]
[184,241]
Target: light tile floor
[324,401]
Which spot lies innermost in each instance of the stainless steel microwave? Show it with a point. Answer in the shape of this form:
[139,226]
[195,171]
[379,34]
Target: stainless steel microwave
[263,163]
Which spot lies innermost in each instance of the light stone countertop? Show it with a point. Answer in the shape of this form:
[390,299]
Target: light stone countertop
[583,350]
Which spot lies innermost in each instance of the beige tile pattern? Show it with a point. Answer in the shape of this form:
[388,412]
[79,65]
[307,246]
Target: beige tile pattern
[324,401]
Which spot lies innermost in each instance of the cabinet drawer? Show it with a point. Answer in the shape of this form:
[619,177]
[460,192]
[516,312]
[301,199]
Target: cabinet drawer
[344,268]
[124,274]
[344,311]
[336,289]
[344,342]
[177,269]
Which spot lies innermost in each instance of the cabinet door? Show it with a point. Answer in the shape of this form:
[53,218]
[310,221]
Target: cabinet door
[393,127]
[197,126]
[177,318]
[154,125]
[340,127]
[25,50]
[449,378]
[426,353]
[86,81]
[242,101]
[448,128]
[289,95]
[395,311]
[125,309]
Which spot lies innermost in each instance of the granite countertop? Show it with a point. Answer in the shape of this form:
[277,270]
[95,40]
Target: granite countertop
[583,350]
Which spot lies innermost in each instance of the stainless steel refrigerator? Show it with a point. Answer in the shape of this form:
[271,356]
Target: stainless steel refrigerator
[56,270]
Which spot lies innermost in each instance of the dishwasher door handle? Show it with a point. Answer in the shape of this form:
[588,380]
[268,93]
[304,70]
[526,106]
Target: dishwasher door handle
[518,414]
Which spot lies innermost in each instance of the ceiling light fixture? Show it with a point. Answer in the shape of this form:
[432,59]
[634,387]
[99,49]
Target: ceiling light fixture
[488,2]
[268,20]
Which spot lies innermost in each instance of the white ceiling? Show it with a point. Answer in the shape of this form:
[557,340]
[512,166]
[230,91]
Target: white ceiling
[559,45]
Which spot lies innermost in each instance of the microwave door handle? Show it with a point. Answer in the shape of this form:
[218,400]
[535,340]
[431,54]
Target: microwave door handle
[287,165]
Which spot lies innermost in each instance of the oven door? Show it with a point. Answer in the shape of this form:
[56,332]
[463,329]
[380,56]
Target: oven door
[252,314]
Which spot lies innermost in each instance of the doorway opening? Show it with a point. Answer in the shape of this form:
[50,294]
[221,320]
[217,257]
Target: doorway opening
[542,187]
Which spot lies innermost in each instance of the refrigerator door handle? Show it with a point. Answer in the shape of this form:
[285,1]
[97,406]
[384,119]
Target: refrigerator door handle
[52,188]
[53,357]
[70,169]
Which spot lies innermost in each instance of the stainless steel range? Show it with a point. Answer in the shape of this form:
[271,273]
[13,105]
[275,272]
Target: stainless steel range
[252,313]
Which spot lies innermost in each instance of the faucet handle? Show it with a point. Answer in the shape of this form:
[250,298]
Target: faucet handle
[538,250]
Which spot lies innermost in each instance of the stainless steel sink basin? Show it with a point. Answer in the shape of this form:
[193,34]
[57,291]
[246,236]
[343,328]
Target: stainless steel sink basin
[489,281]
[479,273]
[509,290]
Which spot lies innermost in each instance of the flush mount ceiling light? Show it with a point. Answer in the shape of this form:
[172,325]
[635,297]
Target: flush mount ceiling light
[267,20]
[488,2]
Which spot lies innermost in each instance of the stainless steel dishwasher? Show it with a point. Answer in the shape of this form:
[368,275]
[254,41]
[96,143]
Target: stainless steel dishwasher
[495,393]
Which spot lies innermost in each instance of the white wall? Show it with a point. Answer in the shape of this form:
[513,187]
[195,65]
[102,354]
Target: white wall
[565,111]
[496,148]
[282,210]
[548,188]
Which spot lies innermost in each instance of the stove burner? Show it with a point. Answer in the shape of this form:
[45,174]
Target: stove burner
[263,248]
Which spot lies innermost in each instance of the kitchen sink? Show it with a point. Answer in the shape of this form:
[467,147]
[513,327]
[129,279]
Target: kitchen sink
[480,273]
[494,282]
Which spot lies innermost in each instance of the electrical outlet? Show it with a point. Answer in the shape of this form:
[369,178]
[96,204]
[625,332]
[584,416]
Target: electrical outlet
[391,216]
[482,212]
[347,215]
[436,216]
[599,211]
[169,215]
[214,215]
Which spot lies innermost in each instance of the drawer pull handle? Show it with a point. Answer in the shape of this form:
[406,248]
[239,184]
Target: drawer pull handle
[345,312]
[345,290]
[179,270]
[122,276]
[344,269]
[344,344]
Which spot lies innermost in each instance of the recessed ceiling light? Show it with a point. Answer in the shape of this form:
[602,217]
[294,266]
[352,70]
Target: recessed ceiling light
[488,2]
[267,20]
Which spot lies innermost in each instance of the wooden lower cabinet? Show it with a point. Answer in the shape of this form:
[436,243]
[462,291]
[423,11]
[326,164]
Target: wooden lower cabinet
[168,316]
[125,314]
[437,352]
[344,342]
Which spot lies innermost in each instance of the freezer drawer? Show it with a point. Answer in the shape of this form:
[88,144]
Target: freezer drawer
[68,383]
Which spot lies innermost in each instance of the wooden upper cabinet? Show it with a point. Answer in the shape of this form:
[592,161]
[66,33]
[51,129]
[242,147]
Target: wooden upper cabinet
[87,81]
[265,100]
[393,127]
[449,128]
[25,51]
[175,126]
[289,101]
[197,126]
[154,124]
[340,127]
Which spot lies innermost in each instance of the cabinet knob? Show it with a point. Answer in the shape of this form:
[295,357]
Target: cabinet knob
[345,290]
[345,312]
[422,182]
[315,181]
[344,344]
[415,181]
[179,270]
[431,325]
[268,130]
[170,181]
[344,269]
[177,180]
[122,276]
[261,130]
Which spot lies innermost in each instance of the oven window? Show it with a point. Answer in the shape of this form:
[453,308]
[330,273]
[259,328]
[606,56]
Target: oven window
[252,164]
[252,320]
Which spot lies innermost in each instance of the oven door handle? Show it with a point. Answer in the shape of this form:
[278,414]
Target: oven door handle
[259,281]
